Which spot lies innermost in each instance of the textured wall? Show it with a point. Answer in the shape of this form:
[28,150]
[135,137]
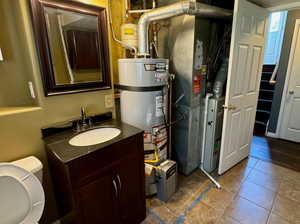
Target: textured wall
[20,134]
[283,64]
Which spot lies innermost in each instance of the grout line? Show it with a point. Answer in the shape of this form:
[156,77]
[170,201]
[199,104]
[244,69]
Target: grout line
[275,197]
[157,217]
[181,218]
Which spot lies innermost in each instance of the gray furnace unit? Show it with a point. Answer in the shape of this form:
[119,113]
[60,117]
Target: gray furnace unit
[187,39]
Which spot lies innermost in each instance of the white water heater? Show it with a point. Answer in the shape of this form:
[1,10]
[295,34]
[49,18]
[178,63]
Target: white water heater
[143,101]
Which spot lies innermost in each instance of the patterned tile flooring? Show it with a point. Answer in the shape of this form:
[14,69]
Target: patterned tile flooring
[253,192]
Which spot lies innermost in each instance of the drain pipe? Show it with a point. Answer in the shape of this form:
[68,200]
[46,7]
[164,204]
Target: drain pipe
[176,9]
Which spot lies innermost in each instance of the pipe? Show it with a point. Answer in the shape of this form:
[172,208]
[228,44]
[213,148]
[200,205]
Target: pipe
[221,79]
[137,11]
[114,34]
[176,9]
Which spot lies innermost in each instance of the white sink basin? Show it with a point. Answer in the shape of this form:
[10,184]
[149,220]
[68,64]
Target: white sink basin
[94,136]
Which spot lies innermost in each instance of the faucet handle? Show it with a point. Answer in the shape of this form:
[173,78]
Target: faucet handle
[90,122]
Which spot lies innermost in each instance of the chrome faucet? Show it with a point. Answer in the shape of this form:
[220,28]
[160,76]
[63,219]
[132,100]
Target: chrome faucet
[82,123]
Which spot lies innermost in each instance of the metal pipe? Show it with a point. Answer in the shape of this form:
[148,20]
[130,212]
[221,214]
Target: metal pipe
[137,11]
[221,79]
[176,9]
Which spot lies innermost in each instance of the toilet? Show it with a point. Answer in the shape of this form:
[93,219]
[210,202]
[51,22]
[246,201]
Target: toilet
[22,196]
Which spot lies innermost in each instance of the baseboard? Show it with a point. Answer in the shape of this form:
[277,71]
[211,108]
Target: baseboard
[271,134]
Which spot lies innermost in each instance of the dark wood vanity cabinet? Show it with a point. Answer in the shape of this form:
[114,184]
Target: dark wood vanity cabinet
[105,186]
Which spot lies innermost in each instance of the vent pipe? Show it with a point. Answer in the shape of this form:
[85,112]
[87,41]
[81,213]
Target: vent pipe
[221,79]
[177,9]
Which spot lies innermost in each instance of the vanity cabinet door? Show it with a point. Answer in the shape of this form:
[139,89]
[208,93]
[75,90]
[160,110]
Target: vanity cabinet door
[97,201]
[130,176]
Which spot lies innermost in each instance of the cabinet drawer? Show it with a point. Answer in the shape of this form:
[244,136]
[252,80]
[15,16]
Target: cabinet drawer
[85,169]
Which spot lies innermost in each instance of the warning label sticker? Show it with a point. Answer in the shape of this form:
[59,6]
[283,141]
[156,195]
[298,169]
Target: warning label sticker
[159,106]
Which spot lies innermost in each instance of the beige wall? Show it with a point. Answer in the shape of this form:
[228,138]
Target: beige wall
[14,71]
[20,134]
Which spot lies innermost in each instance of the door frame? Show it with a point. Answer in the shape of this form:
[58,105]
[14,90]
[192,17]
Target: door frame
[283,7]
[287,80]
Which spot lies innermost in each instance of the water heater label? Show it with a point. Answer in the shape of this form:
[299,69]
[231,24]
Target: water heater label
[159,106]
[159,67]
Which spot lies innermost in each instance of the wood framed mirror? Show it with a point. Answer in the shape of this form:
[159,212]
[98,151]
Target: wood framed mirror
[72,45]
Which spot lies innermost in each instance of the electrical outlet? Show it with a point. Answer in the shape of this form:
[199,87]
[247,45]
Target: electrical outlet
[109,101]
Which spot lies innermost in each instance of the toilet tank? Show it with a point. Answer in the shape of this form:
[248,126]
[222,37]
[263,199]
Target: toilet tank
[31,164]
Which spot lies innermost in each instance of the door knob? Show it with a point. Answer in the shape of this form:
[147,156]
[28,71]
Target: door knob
[291,92]
[230,107]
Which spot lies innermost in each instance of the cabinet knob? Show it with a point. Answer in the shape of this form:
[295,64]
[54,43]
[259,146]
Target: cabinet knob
[120,182]
[291,92]
[116,188]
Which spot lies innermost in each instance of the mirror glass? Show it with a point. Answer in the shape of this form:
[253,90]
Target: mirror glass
[74,46]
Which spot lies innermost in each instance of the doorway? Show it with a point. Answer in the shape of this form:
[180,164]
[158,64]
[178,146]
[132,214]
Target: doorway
[271,61]
[267,144]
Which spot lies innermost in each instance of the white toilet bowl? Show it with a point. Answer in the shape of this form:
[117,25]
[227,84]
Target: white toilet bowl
[22,196]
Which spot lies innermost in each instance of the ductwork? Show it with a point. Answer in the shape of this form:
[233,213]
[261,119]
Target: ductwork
[221,79]
[177,9]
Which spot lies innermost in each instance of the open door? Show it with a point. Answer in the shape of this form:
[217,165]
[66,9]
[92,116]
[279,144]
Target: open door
[244,74]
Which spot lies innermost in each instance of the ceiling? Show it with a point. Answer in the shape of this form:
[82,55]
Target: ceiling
[274,3]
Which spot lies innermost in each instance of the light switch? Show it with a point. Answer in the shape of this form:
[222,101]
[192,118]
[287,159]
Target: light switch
[1,55]
[109,101]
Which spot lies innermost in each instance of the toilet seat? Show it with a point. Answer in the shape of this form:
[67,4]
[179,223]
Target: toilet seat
[22,195]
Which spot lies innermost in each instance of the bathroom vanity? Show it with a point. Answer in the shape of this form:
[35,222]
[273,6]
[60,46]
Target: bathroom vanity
[102,183]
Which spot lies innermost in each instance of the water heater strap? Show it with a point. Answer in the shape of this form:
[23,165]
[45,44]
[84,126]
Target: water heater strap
[139,88]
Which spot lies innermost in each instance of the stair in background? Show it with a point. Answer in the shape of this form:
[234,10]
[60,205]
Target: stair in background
[266,93]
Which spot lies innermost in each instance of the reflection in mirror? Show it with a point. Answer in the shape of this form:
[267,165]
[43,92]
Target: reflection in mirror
[74,46]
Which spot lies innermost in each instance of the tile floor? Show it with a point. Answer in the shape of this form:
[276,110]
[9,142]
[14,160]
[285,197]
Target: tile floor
[253,192]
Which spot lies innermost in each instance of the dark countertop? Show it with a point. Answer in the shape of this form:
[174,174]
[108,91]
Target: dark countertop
[59,143]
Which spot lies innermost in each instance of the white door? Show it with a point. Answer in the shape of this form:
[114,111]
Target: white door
[244,74]
[290,128]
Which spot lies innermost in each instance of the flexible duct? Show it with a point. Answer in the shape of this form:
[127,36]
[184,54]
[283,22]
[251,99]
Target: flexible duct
[176,9]
[221,79]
